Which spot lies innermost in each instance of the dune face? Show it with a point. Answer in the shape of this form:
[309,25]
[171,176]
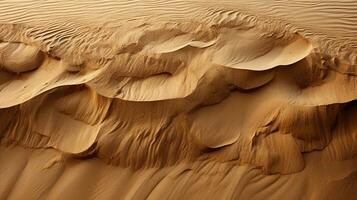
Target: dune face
[178,99]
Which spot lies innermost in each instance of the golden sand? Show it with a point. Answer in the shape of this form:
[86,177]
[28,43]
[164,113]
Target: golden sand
[175,99]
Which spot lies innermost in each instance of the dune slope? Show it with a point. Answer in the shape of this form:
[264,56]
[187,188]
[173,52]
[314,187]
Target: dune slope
[178,99]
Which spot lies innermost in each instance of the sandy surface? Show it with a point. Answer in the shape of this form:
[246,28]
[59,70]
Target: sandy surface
[174,99]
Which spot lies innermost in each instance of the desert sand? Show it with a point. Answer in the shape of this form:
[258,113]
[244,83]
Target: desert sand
[176,99]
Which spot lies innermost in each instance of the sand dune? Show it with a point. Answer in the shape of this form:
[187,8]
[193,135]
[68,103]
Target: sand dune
[178,99]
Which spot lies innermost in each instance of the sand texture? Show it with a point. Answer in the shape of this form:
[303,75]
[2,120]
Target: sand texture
[176,99]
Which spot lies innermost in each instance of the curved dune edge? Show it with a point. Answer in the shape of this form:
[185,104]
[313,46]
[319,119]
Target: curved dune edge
[226,107]
[19,58]
[292,53]
[163,71]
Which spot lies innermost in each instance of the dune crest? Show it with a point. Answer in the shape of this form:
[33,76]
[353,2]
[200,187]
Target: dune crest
[176,100]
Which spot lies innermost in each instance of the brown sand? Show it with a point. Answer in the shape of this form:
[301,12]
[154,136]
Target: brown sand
[174,99]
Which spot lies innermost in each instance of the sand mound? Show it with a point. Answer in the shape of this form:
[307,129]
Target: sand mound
[17,57]
[178,100]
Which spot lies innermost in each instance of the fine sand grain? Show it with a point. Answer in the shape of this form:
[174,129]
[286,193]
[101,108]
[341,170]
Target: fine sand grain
[176,99]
